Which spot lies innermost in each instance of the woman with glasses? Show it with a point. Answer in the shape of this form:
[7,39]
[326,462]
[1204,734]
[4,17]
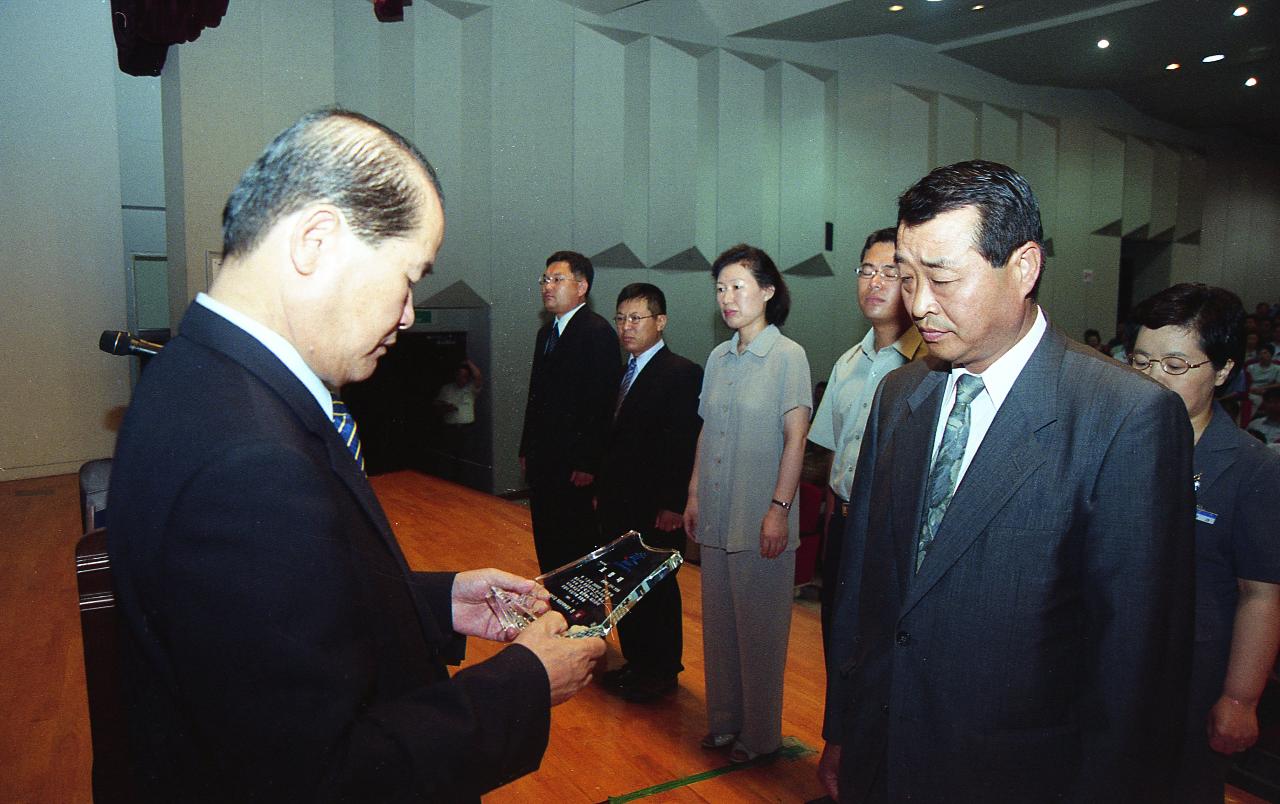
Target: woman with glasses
[755,409]
[1190,341]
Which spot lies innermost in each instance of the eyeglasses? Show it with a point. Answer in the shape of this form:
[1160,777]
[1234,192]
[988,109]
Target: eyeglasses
[888,273]
[1170,365]
[619,320]
[554,279]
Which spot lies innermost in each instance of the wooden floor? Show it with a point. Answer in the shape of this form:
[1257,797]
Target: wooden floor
[601,747]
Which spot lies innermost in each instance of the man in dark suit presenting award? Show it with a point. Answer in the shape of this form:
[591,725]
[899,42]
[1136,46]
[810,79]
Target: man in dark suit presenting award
[276,646]
[1013,621]
[572,388]
[643,483]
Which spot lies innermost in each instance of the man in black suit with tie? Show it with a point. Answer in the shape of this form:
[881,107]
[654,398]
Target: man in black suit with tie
[275,645]
[643,483]
[572,388]
[1013,621]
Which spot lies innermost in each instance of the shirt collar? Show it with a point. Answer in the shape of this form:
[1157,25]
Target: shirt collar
[277,345]
[760,344]
[1000,376]
[906,345]
[644,357]
[562,321]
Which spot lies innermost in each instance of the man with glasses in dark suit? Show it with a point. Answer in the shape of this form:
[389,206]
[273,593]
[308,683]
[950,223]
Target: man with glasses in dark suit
[572,388]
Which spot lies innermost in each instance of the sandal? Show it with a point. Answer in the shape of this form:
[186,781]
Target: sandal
[713,741]
[740,755]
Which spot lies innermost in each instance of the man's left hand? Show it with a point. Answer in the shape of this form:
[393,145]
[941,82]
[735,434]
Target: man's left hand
[668,521]
[472,615]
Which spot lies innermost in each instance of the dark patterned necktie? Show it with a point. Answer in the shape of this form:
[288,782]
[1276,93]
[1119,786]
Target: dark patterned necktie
[346,425]
[946,466]
[552,337]
[627,379]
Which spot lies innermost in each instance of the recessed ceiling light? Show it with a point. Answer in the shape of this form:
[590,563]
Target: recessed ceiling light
[978,7]
[1173,65]
[934,1]
[1240,11]
[1104,44]
[896,7]
[1213,58]
[1252,82]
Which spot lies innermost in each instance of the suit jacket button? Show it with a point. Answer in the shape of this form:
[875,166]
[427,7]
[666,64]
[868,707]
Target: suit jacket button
[884,707]
[903,637]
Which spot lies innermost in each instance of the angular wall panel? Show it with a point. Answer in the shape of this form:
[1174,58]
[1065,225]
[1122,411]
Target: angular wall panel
[957,130]
[601,201]
[1139,166]
[998,134]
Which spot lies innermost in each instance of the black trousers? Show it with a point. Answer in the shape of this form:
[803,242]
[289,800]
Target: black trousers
[652,633]
[564,524]
[832,548]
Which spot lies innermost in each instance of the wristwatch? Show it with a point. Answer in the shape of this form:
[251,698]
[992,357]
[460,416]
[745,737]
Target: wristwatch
[786,506]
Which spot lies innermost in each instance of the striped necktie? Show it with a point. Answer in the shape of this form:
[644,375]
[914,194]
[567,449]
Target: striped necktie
[346,425]
[946,466]
[552,337]
[627,379]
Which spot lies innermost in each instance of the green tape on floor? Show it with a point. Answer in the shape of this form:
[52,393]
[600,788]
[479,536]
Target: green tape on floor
[791,749]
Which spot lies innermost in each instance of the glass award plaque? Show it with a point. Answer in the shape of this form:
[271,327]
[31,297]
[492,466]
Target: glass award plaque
[594,592]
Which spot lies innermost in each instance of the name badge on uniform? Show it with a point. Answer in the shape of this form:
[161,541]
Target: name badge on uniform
[1207,517]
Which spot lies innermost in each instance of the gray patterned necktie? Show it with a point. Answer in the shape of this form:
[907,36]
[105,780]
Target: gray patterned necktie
[946,466]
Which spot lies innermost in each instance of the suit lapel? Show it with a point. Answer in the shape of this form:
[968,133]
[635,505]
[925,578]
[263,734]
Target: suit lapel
[1215,452]
[214,332]
[1009,453]
[909,453]
[643,383]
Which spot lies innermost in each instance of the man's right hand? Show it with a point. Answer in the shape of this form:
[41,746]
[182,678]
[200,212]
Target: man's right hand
[568,662]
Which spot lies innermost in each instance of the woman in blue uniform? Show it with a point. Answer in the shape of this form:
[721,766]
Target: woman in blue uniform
[1191,341]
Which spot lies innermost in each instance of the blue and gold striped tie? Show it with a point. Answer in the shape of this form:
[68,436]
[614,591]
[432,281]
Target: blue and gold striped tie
[346,425]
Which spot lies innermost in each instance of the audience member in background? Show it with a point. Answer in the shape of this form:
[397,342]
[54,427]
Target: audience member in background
[644,481]
[456,403]
[1266,422]
[1093,339]
[1250,346]
[573,386]
[1263,374]
[842,414]
[755,410]
[1190,343]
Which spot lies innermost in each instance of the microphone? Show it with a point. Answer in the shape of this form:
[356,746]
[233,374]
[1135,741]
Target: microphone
[115,342]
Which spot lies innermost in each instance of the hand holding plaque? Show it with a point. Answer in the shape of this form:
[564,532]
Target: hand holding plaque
[594,592]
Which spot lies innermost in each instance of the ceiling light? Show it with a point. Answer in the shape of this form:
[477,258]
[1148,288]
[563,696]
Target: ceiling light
[978,7]
[1213,58]
[1240,11]
[1173,65]
[1103,44]
[1252,82]
[896,7]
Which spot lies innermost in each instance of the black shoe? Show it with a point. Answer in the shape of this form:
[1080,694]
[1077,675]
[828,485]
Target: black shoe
[647,689]
[616,681]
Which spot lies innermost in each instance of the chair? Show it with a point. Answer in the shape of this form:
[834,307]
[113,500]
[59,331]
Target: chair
[811,498]
[94,477]
[101,669]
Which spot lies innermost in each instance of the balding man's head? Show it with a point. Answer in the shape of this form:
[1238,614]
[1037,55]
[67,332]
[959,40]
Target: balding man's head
[369,172]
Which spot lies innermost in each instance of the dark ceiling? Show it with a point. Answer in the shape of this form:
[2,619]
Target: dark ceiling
[1054,43]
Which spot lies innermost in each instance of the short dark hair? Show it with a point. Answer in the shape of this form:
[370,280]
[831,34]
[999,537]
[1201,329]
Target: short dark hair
[1008,213]
[887,235]
[579,265]
[1263,346]
[766,275]
[336,156]
[1094,333]
[1214,314]
[653,296]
